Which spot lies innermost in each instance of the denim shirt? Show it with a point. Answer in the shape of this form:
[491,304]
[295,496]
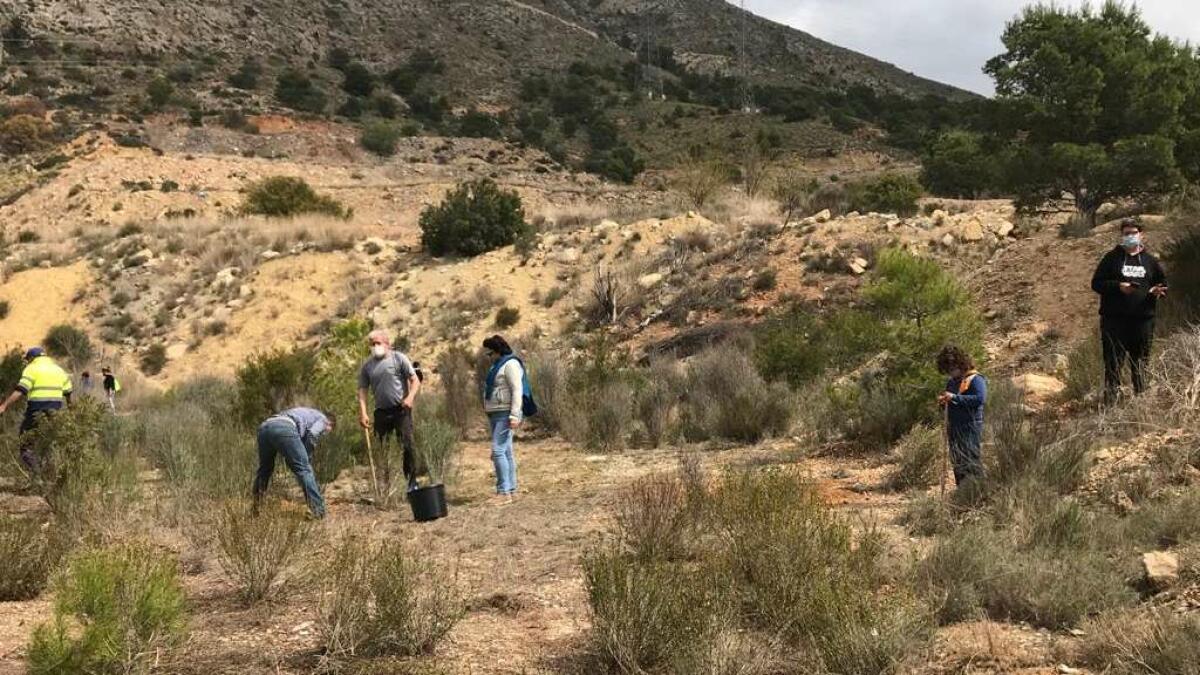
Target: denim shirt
[311,424]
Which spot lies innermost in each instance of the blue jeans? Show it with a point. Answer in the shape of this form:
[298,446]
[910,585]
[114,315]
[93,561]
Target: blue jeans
[280,437]
[502,454]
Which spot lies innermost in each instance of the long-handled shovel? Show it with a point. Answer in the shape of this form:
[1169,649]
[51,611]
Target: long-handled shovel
[371,460]
[946,438]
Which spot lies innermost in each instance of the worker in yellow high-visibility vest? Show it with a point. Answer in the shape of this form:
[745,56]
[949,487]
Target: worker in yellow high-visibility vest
[46,388]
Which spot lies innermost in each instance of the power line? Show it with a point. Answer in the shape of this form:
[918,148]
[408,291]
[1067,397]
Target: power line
[744,62]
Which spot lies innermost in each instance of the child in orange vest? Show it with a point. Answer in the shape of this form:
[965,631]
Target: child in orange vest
[964,399]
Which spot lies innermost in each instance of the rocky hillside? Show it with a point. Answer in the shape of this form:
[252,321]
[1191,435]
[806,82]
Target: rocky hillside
[489,45]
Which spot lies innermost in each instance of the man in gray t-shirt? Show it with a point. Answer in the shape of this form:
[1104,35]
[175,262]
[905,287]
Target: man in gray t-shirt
[389,377]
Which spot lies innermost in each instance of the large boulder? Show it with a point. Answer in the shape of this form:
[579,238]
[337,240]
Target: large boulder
[567,256]
[1038,388]
[1161,569]
[650,280]
[972,232]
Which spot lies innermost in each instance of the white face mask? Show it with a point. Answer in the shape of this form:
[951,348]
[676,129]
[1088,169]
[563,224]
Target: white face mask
[379,351]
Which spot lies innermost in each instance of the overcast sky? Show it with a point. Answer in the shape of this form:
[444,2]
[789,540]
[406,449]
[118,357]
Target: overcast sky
[945,40]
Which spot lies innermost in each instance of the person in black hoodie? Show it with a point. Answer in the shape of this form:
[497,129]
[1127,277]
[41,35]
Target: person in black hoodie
[1130,282]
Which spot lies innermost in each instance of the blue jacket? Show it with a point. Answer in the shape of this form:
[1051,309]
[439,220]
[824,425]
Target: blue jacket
[966,409]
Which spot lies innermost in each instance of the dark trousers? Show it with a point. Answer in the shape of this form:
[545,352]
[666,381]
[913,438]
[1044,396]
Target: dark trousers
[1125,338]
[25,444]
[398,422]
[966,451]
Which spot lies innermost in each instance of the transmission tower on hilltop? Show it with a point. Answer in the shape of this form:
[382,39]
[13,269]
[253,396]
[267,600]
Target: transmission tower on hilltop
[650,72]
[744,66]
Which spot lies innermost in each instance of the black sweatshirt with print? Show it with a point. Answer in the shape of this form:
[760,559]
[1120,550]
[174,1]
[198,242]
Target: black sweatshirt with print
[1142,270]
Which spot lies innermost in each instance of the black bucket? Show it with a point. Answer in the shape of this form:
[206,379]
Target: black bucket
[428,503]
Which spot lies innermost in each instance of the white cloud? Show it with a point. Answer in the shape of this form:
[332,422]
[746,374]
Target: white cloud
[945,40]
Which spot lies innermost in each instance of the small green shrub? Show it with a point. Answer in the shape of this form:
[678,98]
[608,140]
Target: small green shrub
[28,556]
[383,599]
[651,616]
[258,550]
[81,478]
[890,193]
[160,91]
[766,280]
[154,360]
[1165,522]
[437,447]
[28,237]
[727,399]
[653,518]
[246,76]
[70,343]
[5,307]
[507,317]
[979,570]
[1182,256]
[116,609]
[1139,642]
[474,218]
[296,90]
[380,137]
[460,395]
[273,381]
[920,454]
[656,402]
[286,197]
[212,458]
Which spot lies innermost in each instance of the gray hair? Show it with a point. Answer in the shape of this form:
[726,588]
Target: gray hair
[380,334]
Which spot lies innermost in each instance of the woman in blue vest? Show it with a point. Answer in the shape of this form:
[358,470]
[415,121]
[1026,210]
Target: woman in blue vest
[963,400]
[503,398]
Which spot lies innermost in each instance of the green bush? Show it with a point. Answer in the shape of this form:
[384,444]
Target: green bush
[1085,369]
[246,76]
[507,317]
[28,556]
[273,381]
[258,550]
[357,79]
[1140,642]
[210,458]
[437,447]
[656,402]
[775,562]
[460,393]
[115,610]
[69,343]
[956,165]
[159,91]
[890,193]
[475,218]
[911,308]
[980,570]
[921,458]
[154,360]
[380,137]
[296,90]
[80,473]
[727,399]
[5,307]
[285,197]
[649,616]
[1182,256]
[384,599]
